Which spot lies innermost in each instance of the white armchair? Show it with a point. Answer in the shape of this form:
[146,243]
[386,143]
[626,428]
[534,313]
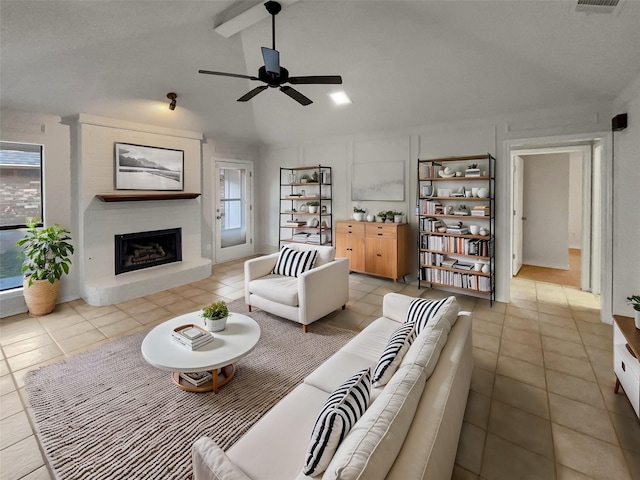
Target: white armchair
[303,299]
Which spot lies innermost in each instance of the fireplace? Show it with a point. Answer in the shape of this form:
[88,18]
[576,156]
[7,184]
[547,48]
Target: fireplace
[135,251]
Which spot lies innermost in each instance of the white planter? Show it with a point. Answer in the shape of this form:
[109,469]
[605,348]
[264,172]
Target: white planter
[637,318]
[313,209]
[215,325]
[358,216]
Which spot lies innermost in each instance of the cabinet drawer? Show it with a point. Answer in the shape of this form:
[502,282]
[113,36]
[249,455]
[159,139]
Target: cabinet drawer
[381,230]
[356,228]
[627,369]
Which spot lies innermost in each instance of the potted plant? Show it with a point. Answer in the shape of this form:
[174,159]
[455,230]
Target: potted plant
[314,176]
[389,216]
[472,170]
[46,252]
[381,216]
[634,301]
[313,206]
[215,316]
[358,214]
[305,178]
[398,217]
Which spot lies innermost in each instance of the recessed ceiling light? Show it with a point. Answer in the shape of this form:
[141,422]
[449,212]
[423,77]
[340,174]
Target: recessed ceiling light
[340,97]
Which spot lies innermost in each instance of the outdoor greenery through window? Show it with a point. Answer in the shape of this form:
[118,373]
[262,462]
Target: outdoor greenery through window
[20,198]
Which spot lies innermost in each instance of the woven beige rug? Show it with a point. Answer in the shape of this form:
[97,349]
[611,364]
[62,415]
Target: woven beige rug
[108,414]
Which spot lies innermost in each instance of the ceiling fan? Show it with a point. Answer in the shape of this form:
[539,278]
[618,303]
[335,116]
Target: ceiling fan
[273,74]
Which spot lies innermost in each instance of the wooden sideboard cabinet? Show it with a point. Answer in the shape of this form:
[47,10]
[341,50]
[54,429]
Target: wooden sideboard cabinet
[626,358]
[380,249]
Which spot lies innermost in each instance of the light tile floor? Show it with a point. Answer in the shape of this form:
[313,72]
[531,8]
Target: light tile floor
[541,404]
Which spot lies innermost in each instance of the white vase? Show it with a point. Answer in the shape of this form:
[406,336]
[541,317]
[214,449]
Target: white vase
[313,209]
[371,218]
[358,216]
[216,325]
[637,318]
[486,268]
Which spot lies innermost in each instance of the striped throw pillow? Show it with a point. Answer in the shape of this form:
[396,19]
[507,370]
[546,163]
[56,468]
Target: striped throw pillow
[340,412]
[391,357]
[293,263]
[423,311]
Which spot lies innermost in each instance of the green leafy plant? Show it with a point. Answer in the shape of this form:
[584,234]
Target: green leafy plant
[382,214]
[215,310]
[305,176]
[47,252]
[634,301]
[314,176]
[390,214]
[473,165]
[358,210]
[313,203]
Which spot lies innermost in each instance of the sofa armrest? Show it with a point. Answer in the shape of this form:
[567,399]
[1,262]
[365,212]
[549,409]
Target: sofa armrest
[256,268]
[395,306]
[323,289]
[211,463]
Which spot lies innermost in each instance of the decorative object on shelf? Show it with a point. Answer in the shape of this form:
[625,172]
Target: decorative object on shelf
[634,301]
[215,316]
[323,209]
[474,191]
[477,266]
[313,206]
[483,192]
[303,208]
[398,217]
[140,167]
[378,181]
[486,268]
[314,176]
[358,214]
[474,229]
[46,252]
[427,190]
[483,231]
[472,170]
[447,173]
[305,178]
[371,218]
[292,178]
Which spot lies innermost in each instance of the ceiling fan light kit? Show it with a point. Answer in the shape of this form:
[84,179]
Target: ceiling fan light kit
[273,74]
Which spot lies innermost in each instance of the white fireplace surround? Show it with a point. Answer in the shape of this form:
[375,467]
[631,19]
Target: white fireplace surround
[98,222]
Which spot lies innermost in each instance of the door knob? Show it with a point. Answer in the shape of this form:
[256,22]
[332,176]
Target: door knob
[218,217]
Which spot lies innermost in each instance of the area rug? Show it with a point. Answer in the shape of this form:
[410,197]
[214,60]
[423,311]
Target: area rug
[108,414]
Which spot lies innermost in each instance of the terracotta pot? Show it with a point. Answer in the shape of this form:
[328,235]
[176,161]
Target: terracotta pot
[41,296]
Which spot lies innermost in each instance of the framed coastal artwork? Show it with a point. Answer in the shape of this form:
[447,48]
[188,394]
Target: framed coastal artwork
[139,167]
[378,181]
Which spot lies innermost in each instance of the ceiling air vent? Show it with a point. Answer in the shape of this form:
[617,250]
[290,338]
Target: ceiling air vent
[597,6]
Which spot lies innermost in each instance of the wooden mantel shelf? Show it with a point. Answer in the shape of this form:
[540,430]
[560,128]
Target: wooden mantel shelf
[143,197]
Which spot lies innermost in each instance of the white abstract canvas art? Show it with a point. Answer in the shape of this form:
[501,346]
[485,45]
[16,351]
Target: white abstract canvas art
[378,181]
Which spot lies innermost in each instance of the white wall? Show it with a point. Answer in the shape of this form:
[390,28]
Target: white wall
[626,200]
[546,208]
[48,131]
[575,200]
[428,141]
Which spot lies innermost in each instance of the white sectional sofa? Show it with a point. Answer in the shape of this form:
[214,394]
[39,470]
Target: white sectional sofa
[409,431]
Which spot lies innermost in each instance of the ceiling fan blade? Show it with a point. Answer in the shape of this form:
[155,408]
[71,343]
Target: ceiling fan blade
[252,93]
[271,60]
[223,74]
[296,95]
[316,80]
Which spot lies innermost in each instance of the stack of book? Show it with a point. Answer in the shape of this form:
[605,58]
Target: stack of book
[480,211]
[191,336]
[300,237]
[458,230]
[472,172]
[295,223]
[449,262]
[196,378]
[464,266]
[317,238]
[461,212]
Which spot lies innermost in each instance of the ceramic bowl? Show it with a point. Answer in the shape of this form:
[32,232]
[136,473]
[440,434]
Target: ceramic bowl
[474,229]
[446,175]
[448,170]
[483,192]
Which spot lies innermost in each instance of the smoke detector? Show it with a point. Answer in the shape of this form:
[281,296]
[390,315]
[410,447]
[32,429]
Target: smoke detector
[597,6]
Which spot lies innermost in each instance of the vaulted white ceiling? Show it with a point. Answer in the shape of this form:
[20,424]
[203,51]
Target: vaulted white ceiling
[404,63]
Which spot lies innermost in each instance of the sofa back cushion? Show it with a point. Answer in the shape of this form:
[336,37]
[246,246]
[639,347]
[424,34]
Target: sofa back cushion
[293,263]
[371,447]
[325,253]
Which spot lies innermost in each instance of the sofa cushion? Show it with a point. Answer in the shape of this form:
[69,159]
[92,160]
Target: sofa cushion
[293,263]
[331,374]
[371,341]
[209,461]
[340,412]
[372,445]
[391,357]
[277,288]
[424,312]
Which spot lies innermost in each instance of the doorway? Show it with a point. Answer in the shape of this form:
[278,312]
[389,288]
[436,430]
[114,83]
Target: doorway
[233,210]
[556,223]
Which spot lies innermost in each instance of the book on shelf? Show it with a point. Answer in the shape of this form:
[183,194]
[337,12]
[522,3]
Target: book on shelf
[449,262]
[464,266]
[478,213]
[458,231]
[295,223]
[196,378]
[461,212]
[472,172]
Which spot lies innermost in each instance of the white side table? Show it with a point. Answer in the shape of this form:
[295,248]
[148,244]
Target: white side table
[218,357]
[626,358]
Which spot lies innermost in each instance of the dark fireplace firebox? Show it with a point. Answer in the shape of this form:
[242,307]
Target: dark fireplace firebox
[135,251]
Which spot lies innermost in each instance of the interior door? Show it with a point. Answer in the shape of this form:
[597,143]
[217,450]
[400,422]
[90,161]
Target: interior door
[518,214]
[233,210]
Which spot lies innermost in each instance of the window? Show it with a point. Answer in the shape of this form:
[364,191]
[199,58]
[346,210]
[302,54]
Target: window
[20,198]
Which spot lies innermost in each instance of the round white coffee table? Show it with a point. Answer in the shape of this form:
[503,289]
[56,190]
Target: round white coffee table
[238,339]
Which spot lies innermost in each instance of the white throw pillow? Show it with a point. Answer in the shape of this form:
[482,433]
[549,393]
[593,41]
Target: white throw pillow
[391,357]
[293,263]
[340,412]
[423,312]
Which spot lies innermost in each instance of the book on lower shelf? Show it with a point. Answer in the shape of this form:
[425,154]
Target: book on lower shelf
[196,378]
[191,336]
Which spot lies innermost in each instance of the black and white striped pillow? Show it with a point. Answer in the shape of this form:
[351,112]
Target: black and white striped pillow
[293,263]
[391,357]
[422,311]
[340,412]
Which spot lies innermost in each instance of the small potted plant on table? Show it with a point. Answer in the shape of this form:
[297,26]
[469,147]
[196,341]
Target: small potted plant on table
[634,301]
[46,252]
[358,214]
[215,316]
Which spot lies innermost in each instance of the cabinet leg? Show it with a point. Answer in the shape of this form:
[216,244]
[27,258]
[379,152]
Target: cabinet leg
[617,387]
